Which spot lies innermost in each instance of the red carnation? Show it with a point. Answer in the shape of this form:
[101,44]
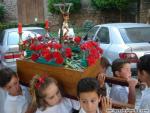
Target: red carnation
[68,52]
[39,47]
[59,60]
[46,54]
[91,60]
[25,42]
[77,39]
[37,85]
[57,46]
[100,50]
[94,52]
[33,47]
[34,57]
[50,44]
[56,54]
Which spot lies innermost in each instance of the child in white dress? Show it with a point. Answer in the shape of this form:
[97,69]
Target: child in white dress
[17,97]
[48,98]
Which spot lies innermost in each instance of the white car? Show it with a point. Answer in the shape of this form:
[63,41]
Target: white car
[122,40]
[9,39]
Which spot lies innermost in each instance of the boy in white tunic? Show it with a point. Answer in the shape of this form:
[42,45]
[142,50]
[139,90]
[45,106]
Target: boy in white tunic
[17,97]
[121,69]
[143,67]
[89,94]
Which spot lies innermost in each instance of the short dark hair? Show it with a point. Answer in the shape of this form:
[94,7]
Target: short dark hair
[6,75]
[144,63]
[104,62]
[118,64]
[88,85]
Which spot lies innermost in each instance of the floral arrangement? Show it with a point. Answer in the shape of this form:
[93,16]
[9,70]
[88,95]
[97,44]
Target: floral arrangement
[70,53]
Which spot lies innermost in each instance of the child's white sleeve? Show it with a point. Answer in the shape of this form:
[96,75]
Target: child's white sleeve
[119,93]
[75,104]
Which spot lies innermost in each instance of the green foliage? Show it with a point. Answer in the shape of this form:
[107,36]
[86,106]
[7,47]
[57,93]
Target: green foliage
[75,8]
[15,25]
[2,12]
[112,4]
[88,24]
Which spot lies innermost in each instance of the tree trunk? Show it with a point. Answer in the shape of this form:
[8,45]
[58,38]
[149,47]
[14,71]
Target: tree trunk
[120,12]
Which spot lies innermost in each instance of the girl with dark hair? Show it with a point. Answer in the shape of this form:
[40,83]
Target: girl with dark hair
[17,97]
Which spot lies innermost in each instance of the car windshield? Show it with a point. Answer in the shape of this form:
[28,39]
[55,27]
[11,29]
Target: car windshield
[13,38]
[39,31]
[136,35]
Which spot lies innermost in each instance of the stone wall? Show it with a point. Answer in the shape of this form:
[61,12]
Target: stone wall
[145,11]
[87,13]
[11,10]
[97,17]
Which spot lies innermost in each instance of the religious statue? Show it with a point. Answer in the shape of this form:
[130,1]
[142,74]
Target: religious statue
[65,14]
[64,9]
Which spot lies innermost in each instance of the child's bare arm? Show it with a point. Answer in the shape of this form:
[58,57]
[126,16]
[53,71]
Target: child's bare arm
[31,109]
[101,79]
[106,104]
[132,91]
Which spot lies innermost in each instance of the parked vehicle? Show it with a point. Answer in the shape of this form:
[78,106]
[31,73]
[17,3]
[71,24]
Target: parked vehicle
[122,40]
[9,39]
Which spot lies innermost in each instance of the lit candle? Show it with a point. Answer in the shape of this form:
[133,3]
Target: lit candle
[46,24]
[19,28]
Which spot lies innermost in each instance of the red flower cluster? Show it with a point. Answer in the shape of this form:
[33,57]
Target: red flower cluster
[68,39]
[77,39]
[94,51]
[53,51]
[68,52]
[49,51]
[40,81]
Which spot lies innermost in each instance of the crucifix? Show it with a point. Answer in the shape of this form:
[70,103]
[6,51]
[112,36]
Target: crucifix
[64,9]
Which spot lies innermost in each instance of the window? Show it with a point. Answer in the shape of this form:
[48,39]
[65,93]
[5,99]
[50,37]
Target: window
[13,38]
[39,31]
[92,32]
[136,34]
[103,35]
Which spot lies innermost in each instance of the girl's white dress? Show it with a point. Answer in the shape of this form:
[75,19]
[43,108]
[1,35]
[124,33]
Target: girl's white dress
[65,106]
[17,104]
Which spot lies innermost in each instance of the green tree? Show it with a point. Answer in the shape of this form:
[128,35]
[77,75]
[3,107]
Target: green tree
[120,5]
[75,8]
[2,12]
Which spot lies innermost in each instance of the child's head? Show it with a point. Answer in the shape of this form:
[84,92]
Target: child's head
[143,67]
[45,91]
[9,81]
[88,92]
[121,68]
[104,64]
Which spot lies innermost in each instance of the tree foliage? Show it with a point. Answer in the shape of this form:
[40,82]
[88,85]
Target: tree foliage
[75,8]
[2,11]
[112,4]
